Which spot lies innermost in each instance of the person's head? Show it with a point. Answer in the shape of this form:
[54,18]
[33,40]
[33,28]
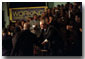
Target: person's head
[29,19]
[42,24]
[17,23]
[49,11]
[46,20]
[70,6]
[9,33]
[58,6]
[17,29]
[61,13]
[53,11]
[59,20]
[26,26]
[22,23]
[43,14]
[67,4]
[75,3]
[56,9]
[50,19]
[35,16]
[4,32]
[62,7]
[77,19]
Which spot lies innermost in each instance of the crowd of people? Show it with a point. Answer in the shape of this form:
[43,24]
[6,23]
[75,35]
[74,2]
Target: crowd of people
[57,32]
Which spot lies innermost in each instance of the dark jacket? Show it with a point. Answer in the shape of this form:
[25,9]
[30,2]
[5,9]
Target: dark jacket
[54,39]
[24,44]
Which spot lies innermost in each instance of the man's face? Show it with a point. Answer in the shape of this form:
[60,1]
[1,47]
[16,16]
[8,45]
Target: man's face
[35,17]
[50,19]
[43,14]
[74,3]
[22,23]
[48,10]
[77,19]
[42,25]
[46,19]
[26,26]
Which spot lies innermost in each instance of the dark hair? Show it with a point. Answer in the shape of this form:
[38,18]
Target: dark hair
[35,15]
[5,30]
[17,29]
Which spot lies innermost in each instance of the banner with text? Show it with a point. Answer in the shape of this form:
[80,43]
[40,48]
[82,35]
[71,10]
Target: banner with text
[25,12]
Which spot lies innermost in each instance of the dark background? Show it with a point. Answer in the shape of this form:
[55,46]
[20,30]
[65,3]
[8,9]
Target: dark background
[25,4]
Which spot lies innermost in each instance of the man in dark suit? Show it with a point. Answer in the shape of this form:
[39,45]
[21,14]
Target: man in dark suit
[6,43]
[24,42]
[49,35]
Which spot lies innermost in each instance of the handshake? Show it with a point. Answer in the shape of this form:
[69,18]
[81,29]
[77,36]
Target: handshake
[44,42]
[69,27]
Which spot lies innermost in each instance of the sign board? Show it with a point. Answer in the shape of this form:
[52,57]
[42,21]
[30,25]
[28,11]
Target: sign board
[25,12]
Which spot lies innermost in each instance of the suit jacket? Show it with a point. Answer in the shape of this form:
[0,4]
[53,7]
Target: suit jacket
[54,40]
[24,44]
[53,36]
